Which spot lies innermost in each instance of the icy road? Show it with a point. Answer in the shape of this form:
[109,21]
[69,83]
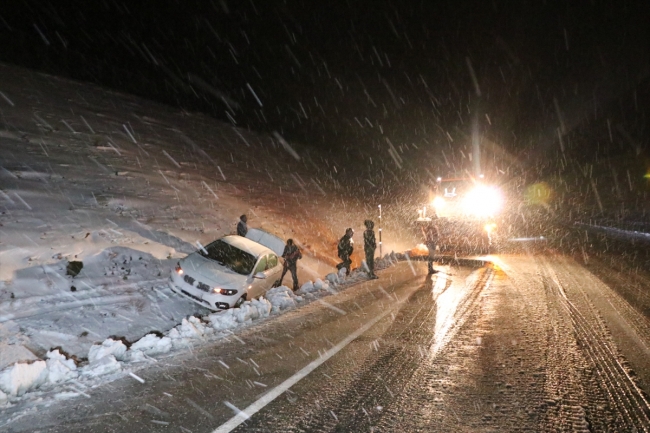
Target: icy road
[528,343]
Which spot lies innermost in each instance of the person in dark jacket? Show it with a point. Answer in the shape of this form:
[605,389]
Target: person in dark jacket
[291,255]
[431,235]
[242,228]
[345,249]
[369,247]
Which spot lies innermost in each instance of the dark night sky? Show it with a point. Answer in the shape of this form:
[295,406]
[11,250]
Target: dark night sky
[347,75]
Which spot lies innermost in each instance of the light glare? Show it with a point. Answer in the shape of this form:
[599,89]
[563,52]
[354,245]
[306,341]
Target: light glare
[483,201]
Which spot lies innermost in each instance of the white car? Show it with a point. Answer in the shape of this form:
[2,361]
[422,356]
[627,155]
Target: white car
[230,270]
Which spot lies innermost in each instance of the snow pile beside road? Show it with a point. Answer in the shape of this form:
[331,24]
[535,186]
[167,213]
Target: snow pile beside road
[60,368]
[22,377]
[282,298]
[111,356]
[108,347]
[149,345]
[102,366]
[233,318]
[310,288]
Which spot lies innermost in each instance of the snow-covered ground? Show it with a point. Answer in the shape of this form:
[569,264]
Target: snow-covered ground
[127,187]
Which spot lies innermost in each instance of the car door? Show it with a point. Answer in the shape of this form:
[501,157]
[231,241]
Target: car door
[259,285]
[273,270]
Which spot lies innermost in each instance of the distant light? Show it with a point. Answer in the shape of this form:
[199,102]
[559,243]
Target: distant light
[439,179]
[481,176]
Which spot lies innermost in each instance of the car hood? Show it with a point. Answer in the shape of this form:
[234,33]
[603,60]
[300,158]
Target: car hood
[210,272]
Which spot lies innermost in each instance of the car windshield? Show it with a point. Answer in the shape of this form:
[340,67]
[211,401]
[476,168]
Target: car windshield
[229,256]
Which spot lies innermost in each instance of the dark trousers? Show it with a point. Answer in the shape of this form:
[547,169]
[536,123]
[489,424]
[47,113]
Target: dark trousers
[293,268]
[431,246]
[370,261]
[346,263]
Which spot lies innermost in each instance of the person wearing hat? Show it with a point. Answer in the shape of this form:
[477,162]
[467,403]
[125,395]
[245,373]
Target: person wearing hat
[369,247]
[345,249]
[242,228]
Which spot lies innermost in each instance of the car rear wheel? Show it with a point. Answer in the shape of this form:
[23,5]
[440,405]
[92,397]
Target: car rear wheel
[240,301]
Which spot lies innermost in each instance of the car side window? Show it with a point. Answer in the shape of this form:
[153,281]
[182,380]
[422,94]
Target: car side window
[271,261]
[261,266]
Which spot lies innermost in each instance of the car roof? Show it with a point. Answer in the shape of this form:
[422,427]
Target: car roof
[247,245]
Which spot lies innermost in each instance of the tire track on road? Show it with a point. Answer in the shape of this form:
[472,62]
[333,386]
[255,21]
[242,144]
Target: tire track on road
[631,407]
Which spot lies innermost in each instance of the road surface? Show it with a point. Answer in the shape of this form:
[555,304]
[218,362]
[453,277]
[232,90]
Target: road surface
[530,343]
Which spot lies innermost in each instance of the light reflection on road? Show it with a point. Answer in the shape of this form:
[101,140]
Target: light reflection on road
[448,298]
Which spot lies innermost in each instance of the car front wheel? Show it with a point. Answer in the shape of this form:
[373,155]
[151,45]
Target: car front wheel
[240,301]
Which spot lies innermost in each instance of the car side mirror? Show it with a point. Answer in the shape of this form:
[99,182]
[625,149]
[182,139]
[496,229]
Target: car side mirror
[260,275]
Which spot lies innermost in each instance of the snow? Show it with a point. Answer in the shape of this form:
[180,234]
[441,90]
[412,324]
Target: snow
[282,298]
[128,210]
[60,368]
[22,377]
[150,345]
[10,354]
[332,278]
[109,347]
[102,366]
[308,287]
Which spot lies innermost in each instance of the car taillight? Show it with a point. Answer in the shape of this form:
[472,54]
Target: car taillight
[179,270]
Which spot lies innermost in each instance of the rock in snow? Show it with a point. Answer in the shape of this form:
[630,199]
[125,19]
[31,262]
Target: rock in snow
[22,377]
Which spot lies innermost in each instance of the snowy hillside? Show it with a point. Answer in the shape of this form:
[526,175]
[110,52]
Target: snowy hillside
[127,187]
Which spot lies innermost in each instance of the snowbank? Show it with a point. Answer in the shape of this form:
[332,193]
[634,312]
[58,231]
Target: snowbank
[316,286]
[60,368]
[282,298]
[22,377]
[110,357]
[102,366]
[151,345]
[109,347]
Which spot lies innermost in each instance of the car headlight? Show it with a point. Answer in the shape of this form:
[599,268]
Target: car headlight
[226,292]
[438,202]
[482,201]
[489,227]
[179,270]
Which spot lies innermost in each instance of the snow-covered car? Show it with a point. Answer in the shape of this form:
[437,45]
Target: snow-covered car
[230,270]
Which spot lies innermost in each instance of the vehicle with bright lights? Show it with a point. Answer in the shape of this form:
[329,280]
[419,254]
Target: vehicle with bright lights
[466,211]
[230,270]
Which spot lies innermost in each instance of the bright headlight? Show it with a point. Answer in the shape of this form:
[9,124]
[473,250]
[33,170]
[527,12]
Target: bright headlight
[227,292]
[438,202]
[482,201]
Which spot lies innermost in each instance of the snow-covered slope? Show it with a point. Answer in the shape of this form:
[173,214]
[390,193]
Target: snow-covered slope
[127,187]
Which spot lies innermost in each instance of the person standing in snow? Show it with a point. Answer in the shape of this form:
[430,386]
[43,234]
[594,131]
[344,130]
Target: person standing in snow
[291,255]
[345,249]
[431,235]
[242,228]
[369,247]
